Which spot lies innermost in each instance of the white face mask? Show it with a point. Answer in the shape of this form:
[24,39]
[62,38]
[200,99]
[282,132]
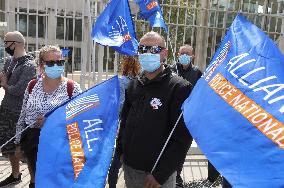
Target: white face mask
[149,62]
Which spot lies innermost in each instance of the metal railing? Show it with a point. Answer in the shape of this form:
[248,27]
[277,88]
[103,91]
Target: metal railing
[200,23]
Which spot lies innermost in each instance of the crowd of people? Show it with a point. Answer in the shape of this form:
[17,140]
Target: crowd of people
[151,91]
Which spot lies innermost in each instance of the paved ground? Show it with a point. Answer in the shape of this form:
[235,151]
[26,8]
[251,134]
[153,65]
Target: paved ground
[195,168]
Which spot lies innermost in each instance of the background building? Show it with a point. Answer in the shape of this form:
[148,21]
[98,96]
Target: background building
[200,23]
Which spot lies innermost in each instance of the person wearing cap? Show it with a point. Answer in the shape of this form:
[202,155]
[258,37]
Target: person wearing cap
[18,70]
[151,110]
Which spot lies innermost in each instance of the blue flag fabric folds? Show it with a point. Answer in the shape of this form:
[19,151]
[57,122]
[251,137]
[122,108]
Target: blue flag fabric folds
[235,112]
[150,10]
[77,139]
[114,27]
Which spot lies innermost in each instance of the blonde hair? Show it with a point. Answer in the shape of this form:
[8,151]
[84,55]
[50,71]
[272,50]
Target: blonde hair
[47,49]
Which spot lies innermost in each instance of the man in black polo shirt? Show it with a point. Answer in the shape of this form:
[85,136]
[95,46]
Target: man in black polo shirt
[151,108]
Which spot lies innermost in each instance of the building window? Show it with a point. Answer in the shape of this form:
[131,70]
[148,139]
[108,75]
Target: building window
[1,55]
[60,28]
[2,7]
[22,24]
[69,29]
[77,59]
[78,30]
[29,21]
[32,26]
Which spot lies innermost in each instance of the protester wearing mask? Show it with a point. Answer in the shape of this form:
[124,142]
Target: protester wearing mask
[18,70]
[151,108]
[186,70]
[42,96]
[185,67]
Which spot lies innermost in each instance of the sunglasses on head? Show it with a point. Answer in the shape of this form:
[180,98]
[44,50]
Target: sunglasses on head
[52,63]
[153,49]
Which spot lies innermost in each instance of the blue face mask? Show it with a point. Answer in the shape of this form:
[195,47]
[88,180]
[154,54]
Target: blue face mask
[53,72]
[149,62]
[184,59]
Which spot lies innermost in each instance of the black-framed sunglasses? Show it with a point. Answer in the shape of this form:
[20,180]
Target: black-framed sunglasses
[52,63]
[153,49]
[6,41]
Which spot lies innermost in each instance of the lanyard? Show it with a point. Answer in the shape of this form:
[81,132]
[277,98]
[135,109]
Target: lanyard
[10,74]
[13,67]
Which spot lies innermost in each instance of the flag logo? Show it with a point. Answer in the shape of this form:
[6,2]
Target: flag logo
[118,31]
[152,5]
[76,148]
[74,108]
[155,103]
[126,37]
[219,60]
[151,11]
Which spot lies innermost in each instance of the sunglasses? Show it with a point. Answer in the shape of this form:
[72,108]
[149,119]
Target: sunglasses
[153,49]
[184,54]
[52,63]
[6,41]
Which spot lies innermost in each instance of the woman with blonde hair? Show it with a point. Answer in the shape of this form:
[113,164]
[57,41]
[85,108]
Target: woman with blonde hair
[130,68]
[42,96]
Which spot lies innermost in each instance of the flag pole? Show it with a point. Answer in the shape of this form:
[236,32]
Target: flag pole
[174,55]
[166,143]
[15,136]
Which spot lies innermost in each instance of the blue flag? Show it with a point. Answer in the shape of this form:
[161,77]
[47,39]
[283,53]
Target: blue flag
[114,28]
[150,10]
[235,112]
[77,139]
[65,52]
